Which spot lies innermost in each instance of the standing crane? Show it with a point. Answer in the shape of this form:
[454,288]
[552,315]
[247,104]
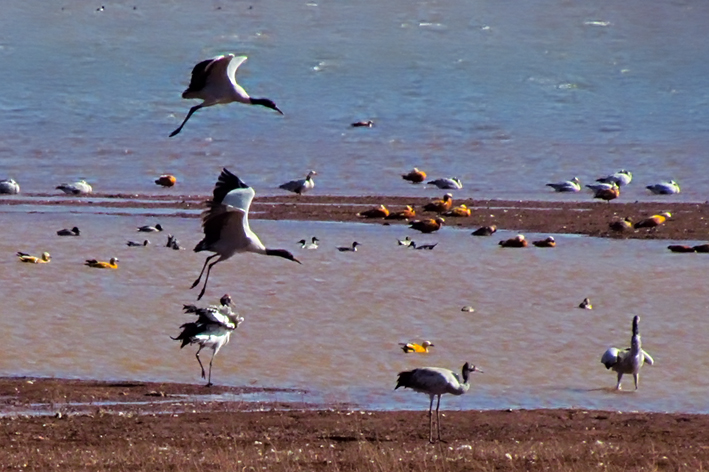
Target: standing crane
[630,360]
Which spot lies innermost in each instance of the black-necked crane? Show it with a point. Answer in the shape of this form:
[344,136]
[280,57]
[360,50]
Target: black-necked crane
[226,226]
[212,329]
[436,381]
[214,82]
[628,361]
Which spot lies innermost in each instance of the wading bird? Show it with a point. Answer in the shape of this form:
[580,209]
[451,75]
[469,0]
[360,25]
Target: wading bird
[112,264]
[628,361]
[77,188]
[413,347]
[9,187]
[43,259]
[226,226]
[214,82]
[436,381]
[212,329]
[300,186]
[448,183]
[69,232]
[664,188]
[621,178]
[313,244]
[573,185]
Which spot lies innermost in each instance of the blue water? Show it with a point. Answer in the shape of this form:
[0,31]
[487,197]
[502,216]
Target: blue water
[506,95]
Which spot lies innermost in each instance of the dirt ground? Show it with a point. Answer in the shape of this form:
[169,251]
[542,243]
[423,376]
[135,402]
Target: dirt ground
[127,426]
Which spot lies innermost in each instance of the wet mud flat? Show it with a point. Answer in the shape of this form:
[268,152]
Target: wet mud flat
[125,426]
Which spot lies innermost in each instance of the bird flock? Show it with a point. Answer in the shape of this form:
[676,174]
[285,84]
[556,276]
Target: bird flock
[226,232]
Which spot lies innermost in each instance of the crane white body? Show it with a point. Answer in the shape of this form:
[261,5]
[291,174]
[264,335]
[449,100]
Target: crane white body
[628,361]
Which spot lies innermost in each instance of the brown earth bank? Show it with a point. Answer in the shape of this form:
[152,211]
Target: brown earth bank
[690,221]
[220,436]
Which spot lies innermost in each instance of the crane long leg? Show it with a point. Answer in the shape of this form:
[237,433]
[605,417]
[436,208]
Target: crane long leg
[430,421]
[196,282]
[636,377]
[209,380]
[189,114]
[206,279]
[438,417]
[620,376]
[200,362]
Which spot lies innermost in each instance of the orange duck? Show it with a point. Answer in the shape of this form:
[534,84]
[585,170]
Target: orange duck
[548,242]
[653,221]
[517,241]
[485,230]
[427,226]
[379,212]
[406,214]
[415,176]
[607,194]
[460,211]
[166,180]
[440,206]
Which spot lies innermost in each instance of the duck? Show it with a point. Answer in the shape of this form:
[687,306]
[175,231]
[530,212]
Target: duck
[405,214]
[313,244]
[621,178]
[352,248]
[427,226]
[449,183]
[664,188]
[428,247]
[413,347]
[300,186]
[485,230]
[440,206]
[653,221]
[415,176]
[77,188]
[166,180]
[621,225]
[43,259]
[405,242]
[517,241]
[702,248]
[607,194]
[136,244]
[112,264]
[586,304]
[362,124]
[150,229]
[69,232]
[548,242]
[377,212]
[681,248]
[461,211]
[9,187]
[573,185]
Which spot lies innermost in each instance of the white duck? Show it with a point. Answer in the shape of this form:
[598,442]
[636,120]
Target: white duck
[77,188]
[573,185]
[622,177]
[664,188]
[300,186]
[9,187]
[452,183]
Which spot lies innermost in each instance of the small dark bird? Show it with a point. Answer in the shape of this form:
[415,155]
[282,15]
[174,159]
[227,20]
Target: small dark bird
[681,248]
[517,241]
[352,248]
[69,232]
[485,231]
[548,242]
[428,247]
[363,124]
[136,244]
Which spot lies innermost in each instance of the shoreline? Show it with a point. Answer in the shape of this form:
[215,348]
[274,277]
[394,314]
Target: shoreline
[204,435]
[690,221]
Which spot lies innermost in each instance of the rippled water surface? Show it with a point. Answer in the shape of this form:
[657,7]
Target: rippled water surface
[332,324]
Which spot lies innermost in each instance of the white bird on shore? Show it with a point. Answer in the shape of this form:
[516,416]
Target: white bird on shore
[628,361]
[573,185]
[452,183]
[300,186]
[436,381]
[212,329]
[77,188]
[313,244]
[622,177]
[9,187]
[214,82]
[226,226]
[664,188]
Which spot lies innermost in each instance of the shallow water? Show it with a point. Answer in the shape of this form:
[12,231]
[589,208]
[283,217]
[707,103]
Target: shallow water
[505,95]
[332,324]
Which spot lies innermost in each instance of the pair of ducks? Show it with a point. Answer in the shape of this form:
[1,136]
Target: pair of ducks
[521,241]
[46,257]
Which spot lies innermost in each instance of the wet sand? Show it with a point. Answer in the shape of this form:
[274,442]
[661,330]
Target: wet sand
[195,435]
[690,221]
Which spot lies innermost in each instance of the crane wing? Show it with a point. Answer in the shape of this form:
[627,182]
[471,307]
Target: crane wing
[234,64]
[648,358]
[610,357]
